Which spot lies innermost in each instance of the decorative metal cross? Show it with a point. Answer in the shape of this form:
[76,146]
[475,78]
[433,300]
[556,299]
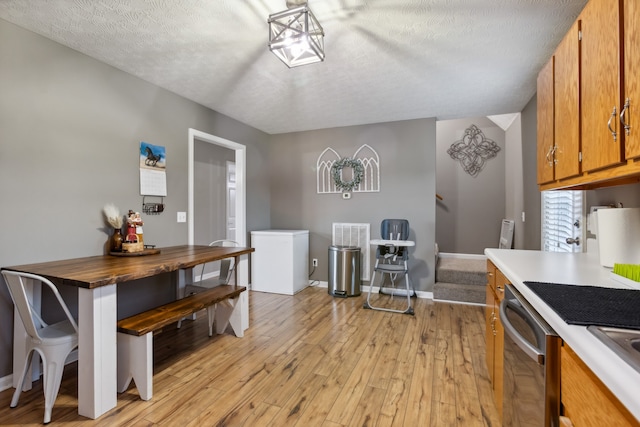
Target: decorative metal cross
[473,150]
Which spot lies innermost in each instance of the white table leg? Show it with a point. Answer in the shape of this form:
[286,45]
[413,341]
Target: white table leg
[184,277]
[242,279]
[97,351]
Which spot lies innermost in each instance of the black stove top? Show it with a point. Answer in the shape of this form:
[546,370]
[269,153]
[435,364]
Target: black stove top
[591,305]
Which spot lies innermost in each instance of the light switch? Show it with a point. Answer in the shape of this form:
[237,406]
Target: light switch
[182,217]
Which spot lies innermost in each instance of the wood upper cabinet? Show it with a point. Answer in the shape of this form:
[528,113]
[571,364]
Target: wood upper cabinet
[631,96]
[567,104]
[607,105]
[559,112]
[600,86]
[546,155]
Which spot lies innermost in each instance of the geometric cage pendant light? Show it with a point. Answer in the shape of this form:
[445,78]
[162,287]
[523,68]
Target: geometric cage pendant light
[295,35]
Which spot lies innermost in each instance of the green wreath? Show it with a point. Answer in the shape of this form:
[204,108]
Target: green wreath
[358,173]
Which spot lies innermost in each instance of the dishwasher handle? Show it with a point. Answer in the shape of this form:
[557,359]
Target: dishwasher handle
[529,349]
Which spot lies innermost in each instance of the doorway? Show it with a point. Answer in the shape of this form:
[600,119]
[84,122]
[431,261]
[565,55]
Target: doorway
[239,199]
[231,201]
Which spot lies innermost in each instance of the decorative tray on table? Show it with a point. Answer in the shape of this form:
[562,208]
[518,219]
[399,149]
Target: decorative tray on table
[145,251]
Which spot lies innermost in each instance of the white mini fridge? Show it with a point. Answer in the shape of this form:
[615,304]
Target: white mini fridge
[280,263]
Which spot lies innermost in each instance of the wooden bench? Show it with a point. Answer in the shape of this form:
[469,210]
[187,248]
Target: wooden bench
[135,333]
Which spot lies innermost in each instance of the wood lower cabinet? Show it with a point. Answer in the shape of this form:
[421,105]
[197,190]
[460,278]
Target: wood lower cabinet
[586,402]
[494,331]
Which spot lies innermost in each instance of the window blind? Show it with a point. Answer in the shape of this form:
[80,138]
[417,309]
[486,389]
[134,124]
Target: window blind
[560,211]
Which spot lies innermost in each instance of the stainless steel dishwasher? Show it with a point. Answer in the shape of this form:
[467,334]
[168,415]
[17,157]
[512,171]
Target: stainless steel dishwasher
[531,365]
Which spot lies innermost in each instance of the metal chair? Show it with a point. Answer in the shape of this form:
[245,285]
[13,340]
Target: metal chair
[52,342]
[392,254]
[227,267]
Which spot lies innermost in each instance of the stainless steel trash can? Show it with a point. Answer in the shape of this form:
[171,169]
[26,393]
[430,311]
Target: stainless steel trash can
[344,271]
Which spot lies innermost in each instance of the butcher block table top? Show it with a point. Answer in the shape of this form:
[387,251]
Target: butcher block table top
[96,271]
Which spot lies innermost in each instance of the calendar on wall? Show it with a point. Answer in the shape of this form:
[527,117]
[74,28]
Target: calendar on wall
[153,170]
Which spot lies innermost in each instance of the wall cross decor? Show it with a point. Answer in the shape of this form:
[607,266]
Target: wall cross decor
[366,173]
[473,150]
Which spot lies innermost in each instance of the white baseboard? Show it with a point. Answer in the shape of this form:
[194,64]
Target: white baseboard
[206,276]
[318,284]
[6,382]
[461,256]
[460,302]
[364,289]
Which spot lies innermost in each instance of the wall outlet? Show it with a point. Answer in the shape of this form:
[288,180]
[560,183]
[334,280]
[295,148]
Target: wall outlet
[315,262]
[182,217]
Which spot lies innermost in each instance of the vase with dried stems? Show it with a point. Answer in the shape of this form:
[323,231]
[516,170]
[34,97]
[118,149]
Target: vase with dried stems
[115,220]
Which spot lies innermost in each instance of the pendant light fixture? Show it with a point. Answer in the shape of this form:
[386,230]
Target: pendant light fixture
[295,35]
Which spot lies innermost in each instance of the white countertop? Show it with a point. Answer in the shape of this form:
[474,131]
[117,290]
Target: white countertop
[577,269]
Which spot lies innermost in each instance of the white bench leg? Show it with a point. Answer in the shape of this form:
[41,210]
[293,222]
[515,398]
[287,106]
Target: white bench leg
[229,312]
[135,362]
[211,313]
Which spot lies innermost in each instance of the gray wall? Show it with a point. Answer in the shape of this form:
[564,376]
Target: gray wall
[628,195]
[70,129]
[531,193]
[407,169]
[514,197]
[469,216]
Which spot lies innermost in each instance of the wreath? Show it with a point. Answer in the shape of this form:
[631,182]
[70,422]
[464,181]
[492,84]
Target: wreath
[358,173]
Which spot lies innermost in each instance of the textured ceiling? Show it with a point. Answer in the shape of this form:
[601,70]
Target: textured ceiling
[386,60]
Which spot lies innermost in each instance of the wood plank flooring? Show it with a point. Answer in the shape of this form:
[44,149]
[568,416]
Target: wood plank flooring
[306,360]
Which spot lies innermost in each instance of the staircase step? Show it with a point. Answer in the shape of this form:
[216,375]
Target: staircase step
[443,291]
[462,271]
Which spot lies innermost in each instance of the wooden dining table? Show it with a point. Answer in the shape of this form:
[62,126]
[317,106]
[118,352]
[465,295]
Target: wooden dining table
[96,278]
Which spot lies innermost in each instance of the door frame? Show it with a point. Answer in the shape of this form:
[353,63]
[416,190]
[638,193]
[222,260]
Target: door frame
[241,214]
[228,186]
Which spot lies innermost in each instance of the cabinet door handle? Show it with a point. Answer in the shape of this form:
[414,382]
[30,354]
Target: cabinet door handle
[613,132]
[625,125]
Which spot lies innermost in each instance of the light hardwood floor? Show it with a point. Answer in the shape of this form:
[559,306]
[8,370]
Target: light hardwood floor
[306,360]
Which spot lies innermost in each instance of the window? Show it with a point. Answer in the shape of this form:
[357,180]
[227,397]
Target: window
[562,219]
